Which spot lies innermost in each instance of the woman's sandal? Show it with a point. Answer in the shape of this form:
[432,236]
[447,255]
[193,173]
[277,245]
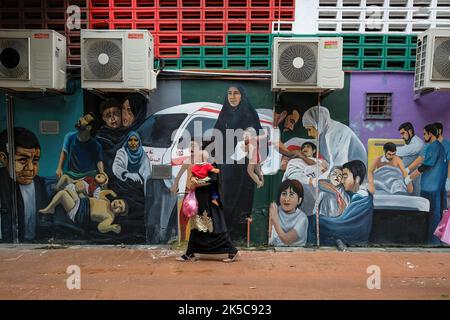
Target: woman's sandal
[232,257]
[185,258]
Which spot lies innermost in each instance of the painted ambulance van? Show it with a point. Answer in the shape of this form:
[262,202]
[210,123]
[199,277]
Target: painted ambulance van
[163,141]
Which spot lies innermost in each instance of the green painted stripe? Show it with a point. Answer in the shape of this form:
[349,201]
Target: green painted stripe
[253,52]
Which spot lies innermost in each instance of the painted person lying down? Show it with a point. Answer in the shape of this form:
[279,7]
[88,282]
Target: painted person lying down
[387,173]
[303,167]
[84,210]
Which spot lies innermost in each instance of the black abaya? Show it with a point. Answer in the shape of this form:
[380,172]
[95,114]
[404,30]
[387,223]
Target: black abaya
[237,186]
[214,242]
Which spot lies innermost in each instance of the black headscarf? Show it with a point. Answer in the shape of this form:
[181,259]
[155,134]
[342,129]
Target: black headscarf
[237,188]
[242,116]
[138,108]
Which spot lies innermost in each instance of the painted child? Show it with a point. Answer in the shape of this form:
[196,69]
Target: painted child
[84,187]
[333,199]
[252,150]
[288,225]
[304,168]
[84,210]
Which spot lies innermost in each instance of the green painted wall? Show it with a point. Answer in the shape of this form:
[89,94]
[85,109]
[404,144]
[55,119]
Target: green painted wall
[31,108]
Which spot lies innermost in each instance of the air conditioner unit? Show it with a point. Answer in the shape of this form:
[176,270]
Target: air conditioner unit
[117,60]
[32,60]
[432,70]
[307,64]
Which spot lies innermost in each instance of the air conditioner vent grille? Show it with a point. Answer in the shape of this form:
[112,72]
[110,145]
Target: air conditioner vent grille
[298,63]
[103,59]
[14,59]
[441,59]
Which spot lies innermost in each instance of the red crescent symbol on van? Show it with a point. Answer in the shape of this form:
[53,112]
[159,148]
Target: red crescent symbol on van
[179,161]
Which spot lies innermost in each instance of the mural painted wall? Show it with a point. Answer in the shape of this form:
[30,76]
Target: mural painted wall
[428,108]
[36,156]
[32,108]
[118,170]
[333,160]
[408,118]
[292,135]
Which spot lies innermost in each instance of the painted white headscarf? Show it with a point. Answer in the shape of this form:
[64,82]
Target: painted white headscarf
[317,117]
[338,143]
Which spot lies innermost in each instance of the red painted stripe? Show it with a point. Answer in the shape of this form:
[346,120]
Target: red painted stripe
[209,110]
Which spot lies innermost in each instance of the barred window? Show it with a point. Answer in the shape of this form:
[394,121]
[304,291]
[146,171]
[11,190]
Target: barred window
[379,106]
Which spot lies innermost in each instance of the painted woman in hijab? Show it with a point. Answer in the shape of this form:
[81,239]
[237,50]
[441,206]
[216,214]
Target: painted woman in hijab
[132,111]
[131,162]
[237,186]
[338,144]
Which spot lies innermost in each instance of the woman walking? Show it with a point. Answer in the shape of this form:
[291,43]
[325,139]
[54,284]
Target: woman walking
[208,228]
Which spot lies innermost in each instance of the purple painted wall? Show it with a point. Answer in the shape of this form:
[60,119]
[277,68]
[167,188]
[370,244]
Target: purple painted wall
[428,108]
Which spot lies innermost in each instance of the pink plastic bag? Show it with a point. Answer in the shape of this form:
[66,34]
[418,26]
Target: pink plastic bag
[190,205]
[446,235]
[443,229]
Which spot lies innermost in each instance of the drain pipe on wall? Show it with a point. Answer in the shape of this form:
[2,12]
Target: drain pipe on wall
[316,205]
[11,165]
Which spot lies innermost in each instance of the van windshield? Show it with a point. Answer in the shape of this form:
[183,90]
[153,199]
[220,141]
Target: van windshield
[157,130]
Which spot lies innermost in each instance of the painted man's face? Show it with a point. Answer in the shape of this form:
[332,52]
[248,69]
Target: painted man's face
[118,206]
[289,200]
[112,117]
[84,122]
[312,132]
[336,177]
[26,164]
[426,136]
[390,155]
[127,114]
[133,143]
[234,96]
[348,180]
[405,135]
[291,120]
